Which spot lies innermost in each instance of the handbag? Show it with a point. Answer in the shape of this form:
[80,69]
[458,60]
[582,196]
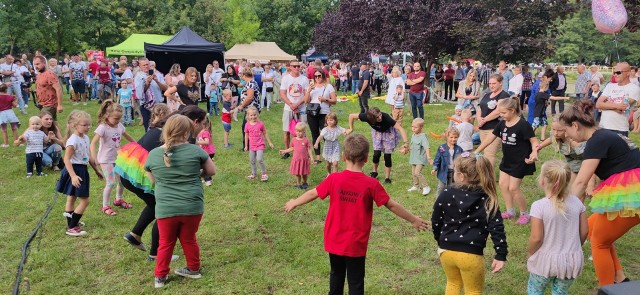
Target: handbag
[313,109]
[292,124]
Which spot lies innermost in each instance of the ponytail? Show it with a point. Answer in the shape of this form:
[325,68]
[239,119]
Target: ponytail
[106,109]
[478,172]
[176,131]
[488,184]
[556,175]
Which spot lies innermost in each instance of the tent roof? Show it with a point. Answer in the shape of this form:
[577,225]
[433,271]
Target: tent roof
[260,51]
[185,41]
[134,45]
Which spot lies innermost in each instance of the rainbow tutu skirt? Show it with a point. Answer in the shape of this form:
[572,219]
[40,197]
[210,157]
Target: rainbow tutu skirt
[618,195]
[130,166]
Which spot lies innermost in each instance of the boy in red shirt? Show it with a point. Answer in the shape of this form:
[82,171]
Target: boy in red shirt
[104,80]
[348,223]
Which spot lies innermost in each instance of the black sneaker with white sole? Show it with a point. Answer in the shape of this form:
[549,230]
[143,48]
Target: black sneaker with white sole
[187,273]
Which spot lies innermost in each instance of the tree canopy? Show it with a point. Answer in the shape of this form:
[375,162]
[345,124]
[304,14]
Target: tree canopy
[62,26]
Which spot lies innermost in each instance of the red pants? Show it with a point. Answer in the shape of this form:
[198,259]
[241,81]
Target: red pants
[602,234]
[172,228]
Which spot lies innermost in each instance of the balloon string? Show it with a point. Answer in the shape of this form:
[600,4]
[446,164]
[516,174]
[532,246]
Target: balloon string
[615,40]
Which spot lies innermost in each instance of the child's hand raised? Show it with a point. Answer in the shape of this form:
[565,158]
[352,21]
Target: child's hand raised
[497,265]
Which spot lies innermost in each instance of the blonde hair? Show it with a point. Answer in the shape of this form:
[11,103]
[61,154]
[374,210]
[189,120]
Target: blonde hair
[544,85]
[177,130]
[466,112]
[34,119]
[226,91]
[511,103]
[302,126]
[253,109]
[108,108]
[556,175]
[451,130]
[356,148]
[478,172]
[158,112]
[74,119]
[418,121]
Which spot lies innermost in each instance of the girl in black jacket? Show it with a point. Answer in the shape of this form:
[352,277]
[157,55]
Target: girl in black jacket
[463,217]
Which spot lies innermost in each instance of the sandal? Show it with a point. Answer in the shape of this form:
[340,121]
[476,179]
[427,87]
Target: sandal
[107,210]
[252,176]
[122,204]
[264,177]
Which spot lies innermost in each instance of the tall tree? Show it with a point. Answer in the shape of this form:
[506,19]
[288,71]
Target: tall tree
[513,30]
[290,22]
[241,22]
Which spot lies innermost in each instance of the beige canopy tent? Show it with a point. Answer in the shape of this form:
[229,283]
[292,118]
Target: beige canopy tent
[263,51]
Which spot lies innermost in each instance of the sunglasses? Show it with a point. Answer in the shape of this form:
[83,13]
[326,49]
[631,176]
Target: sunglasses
[618,72]
[295,66]
[318,76]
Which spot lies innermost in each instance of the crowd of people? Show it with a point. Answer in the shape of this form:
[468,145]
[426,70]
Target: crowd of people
[166,167]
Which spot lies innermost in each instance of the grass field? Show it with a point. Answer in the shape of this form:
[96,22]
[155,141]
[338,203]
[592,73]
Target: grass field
[248,244]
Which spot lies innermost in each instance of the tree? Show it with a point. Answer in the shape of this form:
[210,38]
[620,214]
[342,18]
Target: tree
[290,22]
[512,30]
[241,22]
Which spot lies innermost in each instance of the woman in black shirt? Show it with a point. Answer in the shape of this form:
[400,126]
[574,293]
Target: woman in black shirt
[188,91]
[384,135]
[488,115]
[616,200]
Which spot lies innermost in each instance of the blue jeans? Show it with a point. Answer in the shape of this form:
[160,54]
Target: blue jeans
[213,106]
[16,89]
[343,86]
[416,104]
[475,138]
[94,89]
[354,86]
[67,83]
[52,155]
[128,115]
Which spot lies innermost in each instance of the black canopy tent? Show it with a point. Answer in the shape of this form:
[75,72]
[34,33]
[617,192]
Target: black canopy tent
[187,49]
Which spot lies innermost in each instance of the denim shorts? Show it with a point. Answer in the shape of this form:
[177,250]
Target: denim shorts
[226,126]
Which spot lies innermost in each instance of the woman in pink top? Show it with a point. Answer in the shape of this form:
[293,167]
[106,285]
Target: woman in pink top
[172,78]
[255,134]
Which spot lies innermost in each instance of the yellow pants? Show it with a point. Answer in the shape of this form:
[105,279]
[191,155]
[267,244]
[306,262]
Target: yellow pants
[463,270]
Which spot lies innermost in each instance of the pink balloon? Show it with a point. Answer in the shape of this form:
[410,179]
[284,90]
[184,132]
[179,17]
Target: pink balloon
[610,16]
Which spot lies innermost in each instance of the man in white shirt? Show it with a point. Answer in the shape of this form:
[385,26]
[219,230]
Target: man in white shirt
[10,75]
[616,100]
[145,84]
[292,90]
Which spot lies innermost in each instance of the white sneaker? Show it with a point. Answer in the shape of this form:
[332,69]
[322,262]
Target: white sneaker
[208,183]
[26,106]
[426,190]
[413,189]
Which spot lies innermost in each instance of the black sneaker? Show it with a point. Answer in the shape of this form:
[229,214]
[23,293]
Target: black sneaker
[304,186]
[387,181]
[286,156]
[374,174]
[134,242]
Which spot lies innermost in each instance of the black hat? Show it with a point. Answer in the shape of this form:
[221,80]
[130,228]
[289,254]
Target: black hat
[364,63]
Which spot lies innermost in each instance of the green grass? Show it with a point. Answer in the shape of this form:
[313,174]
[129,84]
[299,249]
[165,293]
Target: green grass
[248,244]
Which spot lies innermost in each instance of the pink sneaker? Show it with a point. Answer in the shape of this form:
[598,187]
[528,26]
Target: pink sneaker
[507,215]
[524,219]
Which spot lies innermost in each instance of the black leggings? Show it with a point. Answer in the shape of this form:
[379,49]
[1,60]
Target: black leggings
[316,123]
[353,268]
[387,158]
[147,215]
